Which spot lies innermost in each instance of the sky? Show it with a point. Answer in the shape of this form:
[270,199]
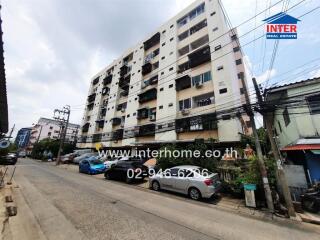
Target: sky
[53,47]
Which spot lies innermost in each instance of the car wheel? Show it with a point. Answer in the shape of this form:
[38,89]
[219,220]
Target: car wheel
[194,194]
[107,176]
[155,186]
[309,205]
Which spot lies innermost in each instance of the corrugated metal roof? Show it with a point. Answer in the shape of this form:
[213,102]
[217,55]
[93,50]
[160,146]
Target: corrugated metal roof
[294,84]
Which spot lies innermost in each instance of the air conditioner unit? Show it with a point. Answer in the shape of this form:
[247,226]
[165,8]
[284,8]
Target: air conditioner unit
[198,85]
[152,118]
[185,111]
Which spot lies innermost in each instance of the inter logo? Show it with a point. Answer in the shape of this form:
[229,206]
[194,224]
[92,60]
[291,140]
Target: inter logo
[281,26]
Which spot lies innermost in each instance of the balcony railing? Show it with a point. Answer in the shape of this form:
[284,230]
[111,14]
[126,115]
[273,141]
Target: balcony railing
[146,130]
[107,80]
[85,127]
[117,135]
[197,123]
[91,97]
[148,95]
[199,57]
[96,137]
[116,121]
[183,82]
[143,113]
[154,40]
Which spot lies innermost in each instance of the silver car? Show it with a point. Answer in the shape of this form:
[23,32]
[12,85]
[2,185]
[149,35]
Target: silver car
[194,181]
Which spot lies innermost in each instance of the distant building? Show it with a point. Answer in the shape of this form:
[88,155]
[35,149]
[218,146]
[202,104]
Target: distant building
[23,137]
[3,90]
[295,109]
[49,128]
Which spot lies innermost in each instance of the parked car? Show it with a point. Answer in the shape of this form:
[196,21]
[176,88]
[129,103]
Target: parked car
[83,156]
[91,165]
[8,159]
[22,154]
[114,161]
[68,158]
[190,180]
[128,170]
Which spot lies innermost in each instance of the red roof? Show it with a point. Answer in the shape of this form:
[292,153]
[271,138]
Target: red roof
[298,147]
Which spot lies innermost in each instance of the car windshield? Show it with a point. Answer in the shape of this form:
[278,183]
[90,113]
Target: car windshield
[95,162]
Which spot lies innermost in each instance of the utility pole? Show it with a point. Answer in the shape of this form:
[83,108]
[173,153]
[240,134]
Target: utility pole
[62,115]
[281,178]
[262,167]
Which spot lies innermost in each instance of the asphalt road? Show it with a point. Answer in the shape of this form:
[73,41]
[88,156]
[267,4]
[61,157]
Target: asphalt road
[70,205]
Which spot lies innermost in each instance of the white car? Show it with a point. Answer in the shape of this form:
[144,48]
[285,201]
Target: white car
[112,162]
[194,181]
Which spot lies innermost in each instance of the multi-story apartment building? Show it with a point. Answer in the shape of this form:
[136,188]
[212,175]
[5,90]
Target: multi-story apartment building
[23,137]
[49,128]
[172,87]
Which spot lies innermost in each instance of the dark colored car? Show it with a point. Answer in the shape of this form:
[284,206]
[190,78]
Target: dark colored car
[127,171]
[9,159]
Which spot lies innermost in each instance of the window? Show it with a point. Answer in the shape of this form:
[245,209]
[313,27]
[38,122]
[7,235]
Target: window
[182,21]
[199,42]
[217,48]
[185,104]
[49,134]
[279,126]
[213,13]
[134,114]
[159,126]
[214,29]
[51,127]
[183,35]
[128,115]
[198,27]
[286,116]
[202,78]
[184,50]
[314,105]
[223,90]
[161,89]
[171,53]
[171,39]
[170,69]
[241,91]
[238,61]
[163,44]
[196,12]
[163,58]
[170,104]
[155,65]
[236,49]
[164,31]
[234,37]
[161,107]
[171,26]
[196,124]
[171,85]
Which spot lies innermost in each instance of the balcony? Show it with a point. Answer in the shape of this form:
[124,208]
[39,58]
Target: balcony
[154,40]
[96,137]
[183,67]
[198,123]
[122,107]
[107,80]
[85,127]
[115,121]
[146,68]
[95,81]
[124,81]
[124,70]
[145,130]
[127,59]
[148,95]
[117,135]
[142,113]
[90,106]
[199,57]
[203,100]
[91,97]
[183,82]
[124,93]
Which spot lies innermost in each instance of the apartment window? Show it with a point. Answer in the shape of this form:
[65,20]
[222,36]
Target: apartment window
[238,61]
[163,58]
[163,44]
[170,53]
[241,91]
[313,102]
[219,68]
[171,26]
[217,48]
[185,104]
[202,78]
[171,85]
[213,13]
[128,115]
[223,90]
[49,134]
[184,50]
[159,126]
[198,27]
[170,69]
[161,107]
[182,21]
[196,12]
[214,29]
[183,35]
[161,89]
[171,39]
[286,116]
[196,124]
[155,65]
[236,49]
[170,104]
[134,114]
[50,127]
[240,75]
[164,31]
[162,73]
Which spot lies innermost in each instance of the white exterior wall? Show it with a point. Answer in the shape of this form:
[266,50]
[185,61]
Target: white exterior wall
[228,130]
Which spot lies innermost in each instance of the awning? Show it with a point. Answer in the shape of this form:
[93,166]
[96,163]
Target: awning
[300,147]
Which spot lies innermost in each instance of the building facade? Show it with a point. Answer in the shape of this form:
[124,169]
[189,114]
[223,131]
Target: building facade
[295,114]
[49,128]
[180,84]
[23,138]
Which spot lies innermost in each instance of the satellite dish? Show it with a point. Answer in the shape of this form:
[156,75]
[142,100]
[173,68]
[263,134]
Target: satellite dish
[4,143]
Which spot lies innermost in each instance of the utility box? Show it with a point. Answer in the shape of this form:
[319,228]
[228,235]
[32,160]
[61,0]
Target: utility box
[249,194]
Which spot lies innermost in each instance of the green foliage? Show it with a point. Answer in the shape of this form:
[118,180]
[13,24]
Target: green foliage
[50,145]
[169,160]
